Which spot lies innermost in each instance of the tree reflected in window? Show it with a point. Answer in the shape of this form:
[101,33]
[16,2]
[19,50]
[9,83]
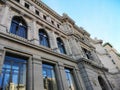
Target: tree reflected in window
[13,74]
[43,38]
[61,46]
[49,77]
[19,27]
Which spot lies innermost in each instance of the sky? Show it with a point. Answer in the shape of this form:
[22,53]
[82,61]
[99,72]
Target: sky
[101,18]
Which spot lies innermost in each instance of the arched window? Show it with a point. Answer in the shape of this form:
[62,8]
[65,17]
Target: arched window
[61,46]
[19,26]
[43,38]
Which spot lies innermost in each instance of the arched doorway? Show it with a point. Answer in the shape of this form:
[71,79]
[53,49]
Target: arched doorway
[102,83]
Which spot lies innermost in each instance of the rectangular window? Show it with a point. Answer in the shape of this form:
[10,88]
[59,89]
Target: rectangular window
[58,25]
[70,79]
[87,53]
[113,61]
[52,22]
[49,79]
[37,12]
[17,1]
[44,17]
[13,73]
[27,5]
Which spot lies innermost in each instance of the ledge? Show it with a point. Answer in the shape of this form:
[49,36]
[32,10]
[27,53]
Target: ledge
[93,63]
[47,9]
[26,42]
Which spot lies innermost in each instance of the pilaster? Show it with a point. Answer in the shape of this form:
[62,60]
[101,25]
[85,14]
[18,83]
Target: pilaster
[5,15]
[74,47]
[63,76]
[95,57]
[53,42]
[59,77]
[85,77]
[34,33]
[29,78]
[78,80]
[2,55]
[67,47]
[22,2]
[37,73]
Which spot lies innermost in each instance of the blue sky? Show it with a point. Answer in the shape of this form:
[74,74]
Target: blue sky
[101,18]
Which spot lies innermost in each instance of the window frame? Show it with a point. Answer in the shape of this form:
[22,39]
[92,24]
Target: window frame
[43,38]
[70,78]
[27,5]
[18,25]
[51,73]
[12,63]
[61,46]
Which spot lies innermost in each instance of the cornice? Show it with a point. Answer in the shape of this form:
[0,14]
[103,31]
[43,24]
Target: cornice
[78,29]
[65,17]
[47,9]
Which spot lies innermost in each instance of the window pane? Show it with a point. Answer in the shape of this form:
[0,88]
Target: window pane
[13,73]
[14,27]
[22,32]
[61,46]
[43,38]
[19,27]
[69,78]
[49,77]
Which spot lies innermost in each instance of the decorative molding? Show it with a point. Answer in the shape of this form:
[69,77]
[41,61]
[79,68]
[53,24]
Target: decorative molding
[26,42]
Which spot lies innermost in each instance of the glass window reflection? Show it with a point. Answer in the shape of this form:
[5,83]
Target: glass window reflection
[43,38]
[13,74]
[61,46]
[49,77]
[69,78]
[18,27]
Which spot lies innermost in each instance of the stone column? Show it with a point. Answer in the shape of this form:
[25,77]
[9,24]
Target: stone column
[5,15]
[59,78]
[22,2]
[37,73]
[82,54]
[63,76]
[84,75]
[67,47]
[29,74]
[95,57]
[32,8]
[74,47]
[29,31]
[34,33]
[78,79]
[53,41]
[2,55]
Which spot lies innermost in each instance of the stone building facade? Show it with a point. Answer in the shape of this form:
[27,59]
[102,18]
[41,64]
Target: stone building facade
[105,57]
[113,54]
[41,50]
